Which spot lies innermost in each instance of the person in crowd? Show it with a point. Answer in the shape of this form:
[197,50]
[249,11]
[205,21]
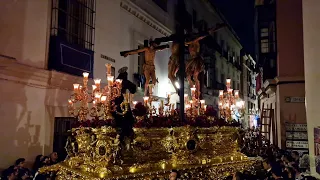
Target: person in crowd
[9,174]
[45,161]
[267,166]
[23,171]
[296,157]
[54,158]
[37,163]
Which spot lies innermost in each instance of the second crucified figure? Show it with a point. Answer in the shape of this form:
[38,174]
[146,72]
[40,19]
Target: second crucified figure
[195,65]
[149,69]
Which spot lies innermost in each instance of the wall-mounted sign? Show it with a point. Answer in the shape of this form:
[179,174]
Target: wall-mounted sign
[296,127]
[297,144]
[294,99]
[107,58]
[296,135]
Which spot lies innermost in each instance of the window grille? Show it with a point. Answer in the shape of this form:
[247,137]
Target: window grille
[74,21]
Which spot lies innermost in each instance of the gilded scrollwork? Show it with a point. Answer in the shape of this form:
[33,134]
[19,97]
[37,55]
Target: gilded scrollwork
[154,152]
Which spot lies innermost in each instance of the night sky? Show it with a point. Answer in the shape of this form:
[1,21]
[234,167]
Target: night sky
[240,15]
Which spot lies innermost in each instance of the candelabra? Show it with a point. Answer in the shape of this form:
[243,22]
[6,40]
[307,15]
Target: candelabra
[229,102]
[99,103]
[194,107]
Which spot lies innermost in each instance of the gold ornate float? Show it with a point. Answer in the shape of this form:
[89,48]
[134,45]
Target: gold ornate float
[207,152]
[201,148]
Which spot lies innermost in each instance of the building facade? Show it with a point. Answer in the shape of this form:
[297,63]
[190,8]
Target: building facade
[280,83]
[249,75]
[46,45]
[311,44]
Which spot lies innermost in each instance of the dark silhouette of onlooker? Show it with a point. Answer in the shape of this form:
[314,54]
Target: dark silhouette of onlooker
[37,164]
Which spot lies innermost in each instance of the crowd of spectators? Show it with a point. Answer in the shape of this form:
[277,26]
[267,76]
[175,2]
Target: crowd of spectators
[275,164]
[20,171]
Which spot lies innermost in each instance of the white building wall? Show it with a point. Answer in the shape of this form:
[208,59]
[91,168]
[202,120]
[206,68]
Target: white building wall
[31,96]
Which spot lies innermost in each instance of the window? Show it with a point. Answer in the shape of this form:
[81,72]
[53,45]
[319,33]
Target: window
[264,46]
[264,32]
[73,21]
[163,4]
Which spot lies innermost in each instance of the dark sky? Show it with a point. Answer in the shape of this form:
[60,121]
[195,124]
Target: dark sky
[240,15]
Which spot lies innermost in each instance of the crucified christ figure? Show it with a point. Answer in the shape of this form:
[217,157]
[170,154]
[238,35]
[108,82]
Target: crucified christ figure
[173,64]
[195,65]
[149,69]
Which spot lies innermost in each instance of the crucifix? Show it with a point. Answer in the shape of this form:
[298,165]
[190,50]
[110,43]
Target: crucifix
[149,69]
[194,66]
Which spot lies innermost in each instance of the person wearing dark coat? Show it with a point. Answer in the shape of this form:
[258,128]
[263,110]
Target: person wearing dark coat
[126,122]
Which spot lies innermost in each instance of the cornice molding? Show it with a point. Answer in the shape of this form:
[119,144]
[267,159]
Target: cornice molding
[145,17]
[11,70]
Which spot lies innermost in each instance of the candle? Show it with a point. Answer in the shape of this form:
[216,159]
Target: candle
[70,102]
[205,107]
[134,103]
[108,66]
[236,93]
[85,75]
[202,101]
[145,99]
[110,80]
[97,83]
[97,96]
[76,88]
[103,98]
[119,81]
[94,103]
[221,93]
[94,87]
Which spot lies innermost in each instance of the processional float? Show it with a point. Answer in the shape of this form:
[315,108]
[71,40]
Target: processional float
[190,139]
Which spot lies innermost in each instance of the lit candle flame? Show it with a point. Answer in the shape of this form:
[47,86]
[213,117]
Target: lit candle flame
[97,81]
[85,75]
[94,87]
[76,86]
[103,98]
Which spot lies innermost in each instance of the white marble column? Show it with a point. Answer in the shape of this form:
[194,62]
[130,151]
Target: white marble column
[311,30]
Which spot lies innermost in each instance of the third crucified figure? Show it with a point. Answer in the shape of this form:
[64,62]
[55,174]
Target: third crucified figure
[149,69]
